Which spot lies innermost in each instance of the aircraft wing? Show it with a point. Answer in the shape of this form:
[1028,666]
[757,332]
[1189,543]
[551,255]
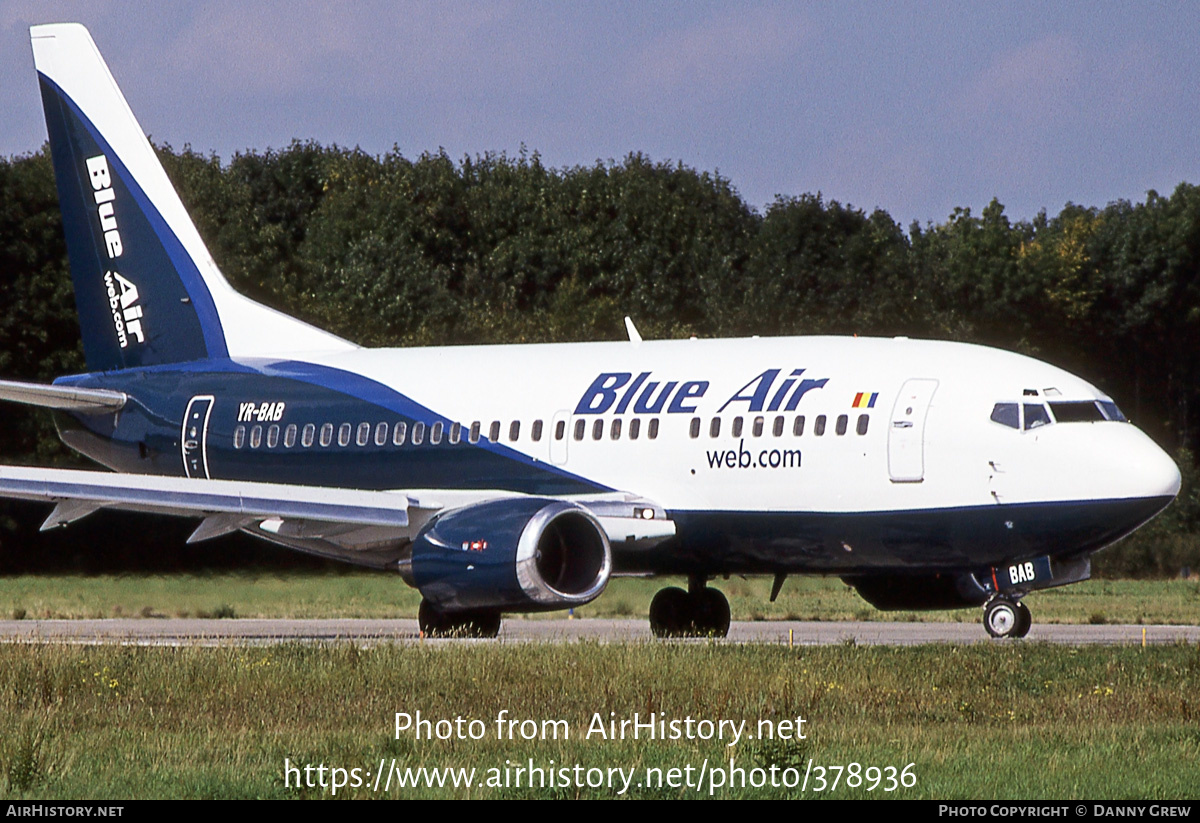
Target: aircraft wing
[226,505]
[354,521]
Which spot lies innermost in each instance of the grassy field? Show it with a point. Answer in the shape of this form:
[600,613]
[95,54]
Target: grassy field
[384,595]
[1014,721]
[981,721]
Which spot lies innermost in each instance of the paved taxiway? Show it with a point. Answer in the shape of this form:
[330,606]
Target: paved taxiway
[188,632]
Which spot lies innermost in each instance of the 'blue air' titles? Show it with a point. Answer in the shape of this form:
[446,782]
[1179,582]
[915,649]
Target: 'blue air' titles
[122,294]
[102,190]
[127,318]
[618,391]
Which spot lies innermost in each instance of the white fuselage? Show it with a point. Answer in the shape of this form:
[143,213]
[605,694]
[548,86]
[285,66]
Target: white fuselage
[953,456]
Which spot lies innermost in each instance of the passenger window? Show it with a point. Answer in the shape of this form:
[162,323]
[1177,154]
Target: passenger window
[418,433]
[1035,416]
[1006,414]
[473,434]
[455,433]
[635,428]
[381,434]
[536,434]
[580,425]
[289,436]
[652,431]
[714,428]
[615,429]
[256,437]
[863,421]
[363,437]
[758,427]
[695,429]
[737,427]
[560,429]
[597,429]
[435,433]
[309,435]
[514,431]
[494,431]
[399,433]
[326,434]
[798,425]
[777,426]
[273,436]
[819,426]
[344,434]
[840,428]
[239,437]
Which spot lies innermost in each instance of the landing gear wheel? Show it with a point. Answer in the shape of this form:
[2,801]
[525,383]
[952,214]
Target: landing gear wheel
[712,613]
[480,624]
[669,612]
[436,623]
[676,613]
[1024,620]
[1001,617]
[433,623]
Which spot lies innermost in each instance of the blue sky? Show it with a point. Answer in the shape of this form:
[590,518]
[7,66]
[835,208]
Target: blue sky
[915,108]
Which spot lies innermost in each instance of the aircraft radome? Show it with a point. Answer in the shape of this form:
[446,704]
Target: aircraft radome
[925,474]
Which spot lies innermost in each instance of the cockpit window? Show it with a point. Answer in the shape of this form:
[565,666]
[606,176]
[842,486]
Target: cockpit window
[1077,412]
[1111,412]
[1007,414]
[1087,411]
[1035,416]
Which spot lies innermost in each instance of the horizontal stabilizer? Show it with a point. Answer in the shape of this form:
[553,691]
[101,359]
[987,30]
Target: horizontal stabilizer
[66,398]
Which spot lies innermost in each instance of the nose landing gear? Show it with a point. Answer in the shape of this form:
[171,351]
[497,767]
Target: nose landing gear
[1004,616]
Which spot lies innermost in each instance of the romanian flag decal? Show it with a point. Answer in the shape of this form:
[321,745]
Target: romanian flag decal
[865,400]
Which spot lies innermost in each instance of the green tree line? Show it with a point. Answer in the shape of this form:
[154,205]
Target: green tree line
[391,250]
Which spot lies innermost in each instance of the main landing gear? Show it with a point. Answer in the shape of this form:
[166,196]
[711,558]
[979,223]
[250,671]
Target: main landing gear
[1004,616]
[436,623]
[697,612]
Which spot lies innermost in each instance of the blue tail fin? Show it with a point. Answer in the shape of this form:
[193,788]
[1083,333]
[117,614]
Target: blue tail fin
[146,287]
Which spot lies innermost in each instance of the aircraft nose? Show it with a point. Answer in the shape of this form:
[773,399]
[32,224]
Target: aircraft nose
[1153,471]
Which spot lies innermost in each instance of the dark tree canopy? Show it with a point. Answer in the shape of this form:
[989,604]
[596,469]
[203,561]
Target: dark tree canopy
[392,250]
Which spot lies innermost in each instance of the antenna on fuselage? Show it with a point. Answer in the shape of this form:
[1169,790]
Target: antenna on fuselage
[634,337]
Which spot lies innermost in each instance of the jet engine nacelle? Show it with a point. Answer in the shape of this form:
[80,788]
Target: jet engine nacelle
[518,554]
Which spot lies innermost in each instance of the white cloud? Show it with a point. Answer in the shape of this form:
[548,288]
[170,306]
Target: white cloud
[719,55]
[1035,83]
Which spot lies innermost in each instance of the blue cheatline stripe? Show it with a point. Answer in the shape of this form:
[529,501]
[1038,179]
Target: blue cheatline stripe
[372,391]
[359,387]
[185,267]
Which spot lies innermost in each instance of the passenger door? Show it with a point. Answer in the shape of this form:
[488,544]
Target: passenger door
[906,434]
[194,437]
